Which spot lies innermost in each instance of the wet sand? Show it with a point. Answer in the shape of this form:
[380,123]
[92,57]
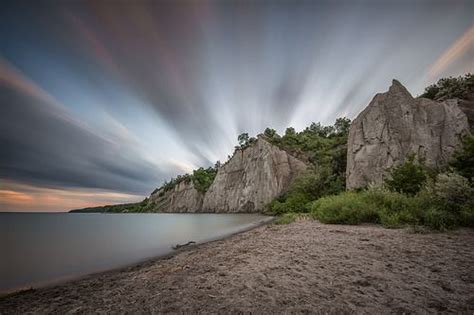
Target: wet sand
[301,267]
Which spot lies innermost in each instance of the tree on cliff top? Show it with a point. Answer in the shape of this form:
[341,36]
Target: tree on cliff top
[245,140]
[447,88]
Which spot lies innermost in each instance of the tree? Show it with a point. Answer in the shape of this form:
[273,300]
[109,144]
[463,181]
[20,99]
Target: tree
[203,178]
[407,178]
[342,126]
[270,133]
[450,87]
[243,139]
[290,131]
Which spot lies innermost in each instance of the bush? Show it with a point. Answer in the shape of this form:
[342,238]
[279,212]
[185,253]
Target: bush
[438,219]
[467,216]
[203,178]
[309,186]
[345,208]
[391,209]
[294,202]
[452,192]
[463,159]
[407,178]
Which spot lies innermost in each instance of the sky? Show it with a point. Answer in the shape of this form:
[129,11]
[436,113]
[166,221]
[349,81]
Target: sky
[102,101]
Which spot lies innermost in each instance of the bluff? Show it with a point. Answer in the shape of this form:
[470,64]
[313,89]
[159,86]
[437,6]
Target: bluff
[395,125]
[252,178]
[181,198]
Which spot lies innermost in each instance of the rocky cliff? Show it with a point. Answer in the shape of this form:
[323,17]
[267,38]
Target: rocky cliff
[182,198]
[252,178]
[395,125]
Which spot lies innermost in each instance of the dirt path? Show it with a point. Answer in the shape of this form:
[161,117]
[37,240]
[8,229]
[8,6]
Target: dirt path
[302,267]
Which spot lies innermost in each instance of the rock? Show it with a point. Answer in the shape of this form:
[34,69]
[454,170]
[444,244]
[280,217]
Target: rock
[395,125]
[182,198]
[251,179]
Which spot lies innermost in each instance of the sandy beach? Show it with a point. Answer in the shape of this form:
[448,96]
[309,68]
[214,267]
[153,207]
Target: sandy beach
[303,267]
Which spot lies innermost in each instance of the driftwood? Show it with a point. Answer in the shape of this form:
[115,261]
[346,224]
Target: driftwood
[178,246]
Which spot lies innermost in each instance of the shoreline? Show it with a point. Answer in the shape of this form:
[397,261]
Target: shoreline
[67,279]
[304,266]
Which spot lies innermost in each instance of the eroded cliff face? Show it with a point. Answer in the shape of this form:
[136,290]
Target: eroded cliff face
[182,198]
[252,178]
[395,125]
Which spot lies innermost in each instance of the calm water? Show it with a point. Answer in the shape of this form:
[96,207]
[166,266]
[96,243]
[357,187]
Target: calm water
[40,248]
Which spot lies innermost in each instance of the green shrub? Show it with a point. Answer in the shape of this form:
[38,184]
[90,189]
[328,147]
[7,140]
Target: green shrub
[452,192]
[467,216]
[203,178]
[294,202]
[345,208]
[391,209]
[438,219]
[309,186]
[391,219]
[407,178]
[463,159]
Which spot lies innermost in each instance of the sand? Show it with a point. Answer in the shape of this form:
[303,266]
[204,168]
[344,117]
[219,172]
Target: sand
[303,267]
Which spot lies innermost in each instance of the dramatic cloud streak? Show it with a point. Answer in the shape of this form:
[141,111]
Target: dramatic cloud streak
[463,46]
[115,97]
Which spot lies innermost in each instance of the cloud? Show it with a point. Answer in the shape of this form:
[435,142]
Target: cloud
[23,197]
[42,144]
[460,47]
[120,97]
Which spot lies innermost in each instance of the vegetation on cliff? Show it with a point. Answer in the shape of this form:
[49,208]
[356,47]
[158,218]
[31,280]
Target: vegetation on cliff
[202,179]
[325,148]
[447,88]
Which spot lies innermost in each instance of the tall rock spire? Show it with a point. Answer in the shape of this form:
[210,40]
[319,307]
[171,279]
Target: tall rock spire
[395,125]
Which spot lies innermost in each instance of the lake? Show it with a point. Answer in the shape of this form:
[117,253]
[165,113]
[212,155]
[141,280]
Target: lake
[43,248]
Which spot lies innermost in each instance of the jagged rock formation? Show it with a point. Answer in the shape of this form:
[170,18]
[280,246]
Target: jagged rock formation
[395,125]
[252,178]
[182,198]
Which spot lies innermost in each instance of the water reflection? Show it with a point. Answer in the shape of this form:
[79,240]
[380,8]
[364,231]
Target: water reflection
[37,248]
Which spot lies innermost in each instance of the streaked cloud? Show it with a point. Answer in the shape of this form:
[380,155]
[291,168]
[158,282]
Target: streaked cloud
[21,197]
[116,97]
[463,45]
